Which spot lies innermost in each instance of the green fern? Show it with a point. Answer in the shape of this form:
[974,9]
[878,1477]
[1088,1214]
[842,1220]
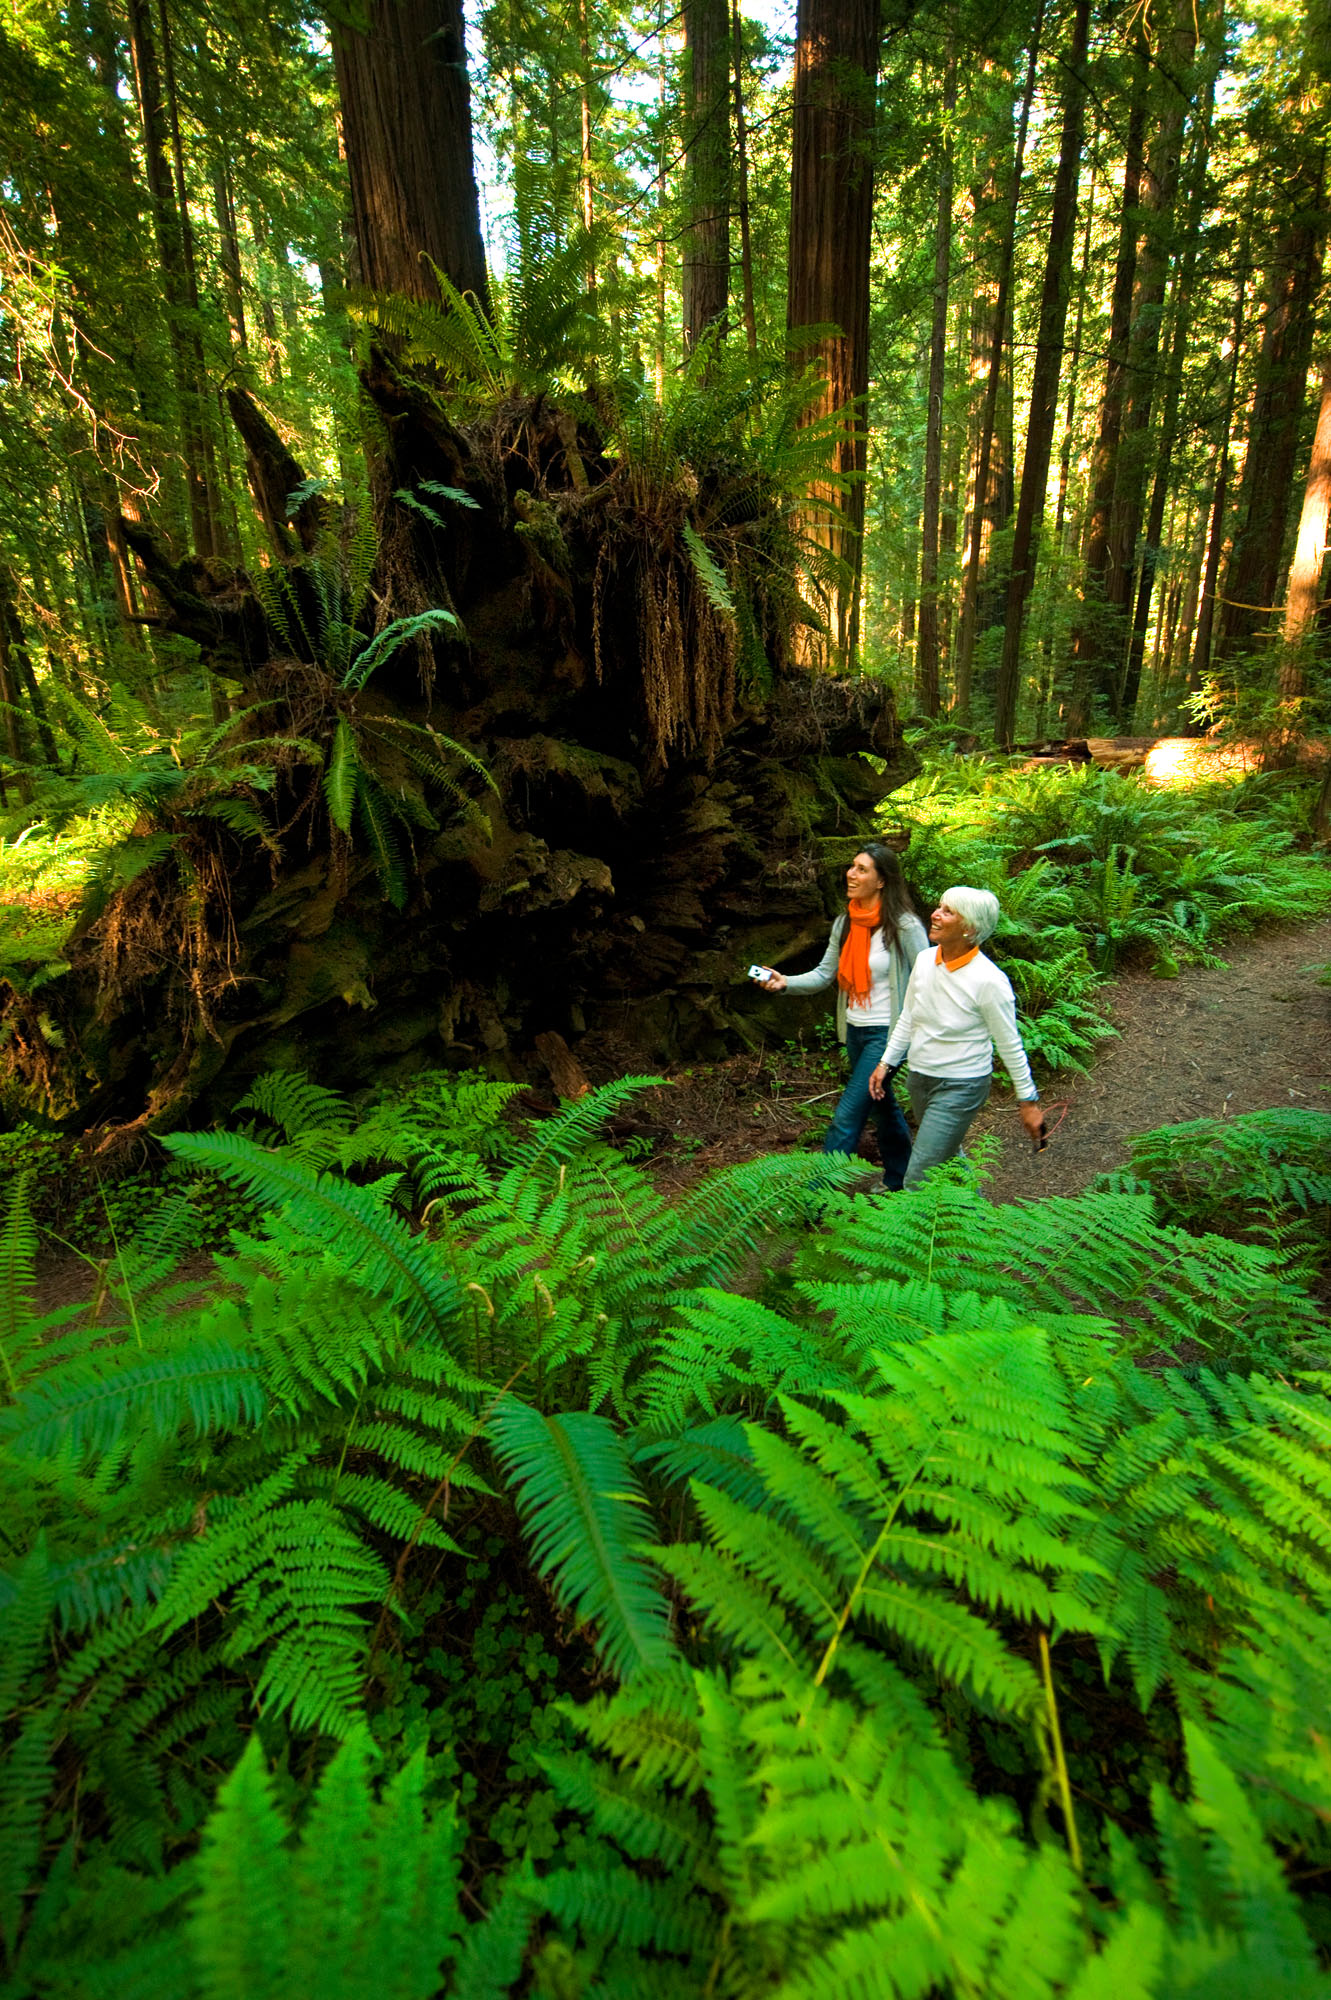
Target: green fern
[578,1498]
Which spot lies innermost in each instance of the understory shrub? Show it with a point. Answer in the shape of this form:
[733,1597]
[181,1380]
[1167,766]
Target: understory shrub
[583,1595]
[1264,1177]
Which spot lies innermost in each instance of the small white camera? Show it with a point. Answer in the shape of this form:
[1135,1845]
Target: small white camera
[760,972]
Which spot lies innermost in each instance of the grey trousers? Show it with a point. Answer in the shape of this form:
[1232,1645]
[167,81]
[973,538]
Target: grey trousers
[944,1107]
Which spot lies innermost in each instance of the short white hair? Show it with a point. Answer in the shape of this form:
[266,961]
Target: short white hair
[978,907]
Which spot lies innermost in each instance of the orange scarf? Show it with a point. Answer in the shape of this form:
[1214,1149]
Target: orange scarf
[852,973]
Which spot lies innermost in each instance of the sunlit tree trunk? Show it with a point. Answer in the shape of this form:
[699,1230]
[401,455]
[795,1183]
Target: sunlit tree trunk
[707,90]
[926,658]
[1305,576]
[831,214]
[1045,374]
[406,115]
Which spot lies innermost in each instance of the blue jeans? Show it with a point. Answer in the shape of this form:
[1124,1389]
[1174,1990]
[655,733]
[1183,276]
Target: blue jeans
[944,1107]
[864,1051]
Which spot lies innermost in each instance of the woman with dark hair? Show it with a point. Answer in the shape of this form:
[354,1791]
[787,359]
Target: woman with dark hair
[869,957]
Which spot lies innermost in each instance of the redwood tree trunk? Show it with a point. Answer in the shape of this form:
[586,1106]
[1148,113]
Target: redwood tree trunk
[926,672]
[1159,195]
[831,215]
[1305,576]
[970,595]
[1201,652]
[1169,418]
[172,258]
[706,166]
[406,116]
[1095,648]
[1044,380]
[1293,279]
[742,165]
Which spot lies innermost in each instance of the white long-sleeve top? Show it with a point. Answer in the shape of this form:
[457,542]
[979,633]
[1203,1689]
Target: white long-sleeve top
[954,1017]
[889,972]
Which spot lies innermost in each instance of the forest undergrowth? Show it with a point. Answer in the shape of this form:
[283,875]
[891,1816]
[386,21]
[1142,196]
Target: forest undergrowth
[768,1591]
[513,1571]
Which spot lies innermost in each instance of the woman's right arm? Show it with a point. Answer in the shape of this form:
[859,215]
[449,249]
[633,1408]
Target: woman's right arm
[822,976]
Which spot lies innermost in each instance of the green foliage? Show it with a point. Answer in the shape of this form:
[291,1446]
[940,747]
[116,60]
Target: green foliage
[710,1598]
[1264,1177]
[577,1501]
[1094,869]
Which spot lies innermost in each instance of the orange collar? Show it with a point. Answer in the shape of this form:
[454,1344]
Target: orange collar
[957,963]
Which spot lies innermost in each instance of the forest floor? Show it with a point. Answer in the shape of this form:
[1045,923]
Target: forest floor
[1209,1044]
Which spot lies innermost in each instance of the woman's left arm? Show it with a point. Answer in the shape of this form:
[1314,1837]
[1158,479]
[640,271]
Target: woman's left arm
[998,1006]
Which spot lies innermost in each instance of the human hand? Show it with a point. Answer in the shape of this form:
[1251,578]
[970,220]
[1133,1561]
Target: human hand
[1032,1117]
[878,1082]
[775,982]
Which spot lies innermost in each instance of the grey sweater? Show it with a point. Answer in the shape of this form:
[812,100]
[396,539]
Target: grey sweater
[911,940]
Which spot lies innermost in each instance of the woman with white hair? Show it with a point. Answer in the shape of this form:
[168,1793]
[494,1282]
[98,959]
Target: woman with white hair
[957,1010]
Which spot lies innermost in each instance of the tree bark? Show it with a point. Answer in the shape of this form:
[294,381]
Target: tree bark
[742,164]
[171,256]
[1045,375]
[831,216]
[926,658]
[1201,651]
[1070,415]
[1280,394]
[968,618]
[1094,646]
[1305,576]
[1169,419]
[1163,165]
[406,113]
[707,91]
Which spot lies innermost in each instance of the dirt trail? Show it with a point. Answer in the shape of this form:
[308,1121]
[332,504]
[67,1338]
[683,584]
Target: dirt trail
[1209,1044]
[1206,1045]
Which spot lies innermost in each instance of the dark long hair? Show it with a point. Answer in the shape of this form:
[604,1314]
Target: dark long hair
[894,900]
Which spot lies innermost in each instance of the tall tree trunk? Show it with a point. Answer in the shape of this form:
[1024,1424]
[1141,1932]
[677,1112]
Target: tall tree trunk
[742,164]
[1074,367]
[172,261]
[1174,79]
[1280,394]
[1305,575]
[831,215]
[16,665]
[707,91]
[406,116]
[1201,650]
[970,592]
[1185,277]
[926,658]
[224,208]
[1045,374]
[1095,646]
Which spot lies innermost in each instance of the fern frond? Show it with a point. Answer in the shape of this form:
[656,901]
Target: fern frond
[346,1218]
[579,1500]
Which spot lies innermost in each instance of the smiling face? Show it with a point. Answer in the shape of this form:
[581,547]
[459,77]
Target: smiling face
[863,882]
[949,928]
